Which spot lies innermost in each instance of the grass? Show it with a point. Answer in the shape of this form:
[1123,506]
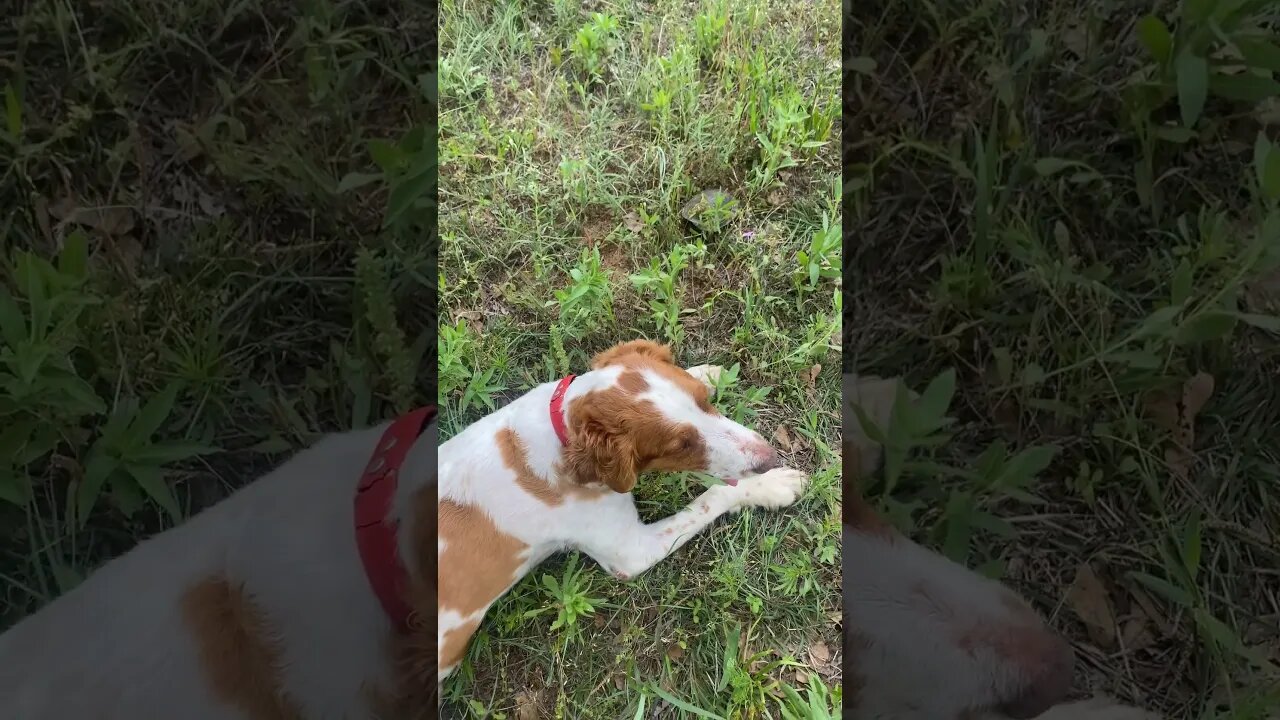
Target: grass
[1070,212]
[218,243]
[571,140]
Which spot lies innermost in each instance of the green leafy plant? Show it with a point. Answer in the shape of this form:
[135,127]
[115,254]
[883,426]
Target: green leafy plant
[400,361]
[660,280]
[127,461]
[569,600]
[593,43]
[822,258]
[408,168]
[460,82]
[794,127]
[819,702]
[41,391]
[455,346]
[589,298]
[709,29]
[921,423]
[1219,48]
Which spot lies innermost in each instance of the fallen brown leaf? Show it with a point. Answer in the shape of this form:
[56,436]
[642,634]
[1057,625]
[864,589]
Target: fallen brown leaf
[110,219]
[811,375]
[1176,413]
[783,438]
[1150,611]
[1089,599]
[633,222]
[819,653]
[1135,634]
[527,705]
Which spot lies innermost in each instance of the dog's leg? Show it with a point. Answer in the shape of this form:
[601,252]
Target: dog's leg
[638,547]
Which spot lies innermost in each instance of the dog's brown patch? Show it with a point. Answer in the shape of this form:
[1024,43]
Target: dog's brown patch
[455,643]
[515,457]
[240,658]
[479,561]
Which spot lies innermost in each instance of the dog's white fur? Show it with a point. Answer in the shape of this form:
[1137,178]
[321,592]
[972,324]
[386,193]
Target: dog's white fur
[117,648]
[606,527]
[907,608]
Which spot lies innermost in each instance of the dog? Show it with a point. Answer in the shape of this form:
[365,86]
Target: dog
[554,470]
[926,639]
[270,605]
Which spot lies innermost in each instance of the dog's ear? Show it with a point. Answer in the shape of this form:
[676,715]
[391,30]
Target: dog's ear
[598,453]
[643,348]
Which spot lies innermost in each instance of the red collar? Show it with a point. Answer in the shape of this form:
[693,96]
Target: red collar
[375,531]
[557,409]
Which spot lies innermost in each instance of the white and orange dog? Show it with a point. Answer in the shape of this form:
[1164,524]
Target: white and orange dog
[300,597]
[554,470]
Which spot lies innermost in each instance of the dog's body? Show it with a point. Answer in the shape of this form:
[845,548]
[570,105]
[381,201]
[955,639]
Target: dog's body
[257,608]
[513,490]
[926,639]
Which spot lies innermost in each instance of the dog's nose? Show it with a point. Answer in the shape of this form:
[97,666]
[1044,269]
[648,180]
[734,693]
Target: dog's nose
[1050,662]
[769,462]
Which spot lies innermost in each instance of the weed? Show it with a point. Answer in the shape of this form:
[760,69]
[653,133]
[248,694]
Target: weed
[593,43]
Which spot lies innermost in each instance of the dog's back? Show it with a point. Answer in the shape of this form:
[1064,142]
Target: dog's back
[260,596]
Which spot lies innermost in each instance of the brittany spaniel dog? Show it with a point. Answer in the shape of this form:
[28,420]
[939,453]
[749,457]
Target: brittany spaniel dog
[286,601]
[926,639]
[554,470]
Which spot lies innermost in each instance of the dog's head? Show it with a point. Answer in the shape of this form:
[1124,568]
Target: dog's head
[647,413]
[928,639]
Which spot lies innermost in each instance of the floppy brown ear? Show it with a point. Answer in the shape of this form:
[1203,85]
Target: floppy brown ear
[597,454]
[643,348]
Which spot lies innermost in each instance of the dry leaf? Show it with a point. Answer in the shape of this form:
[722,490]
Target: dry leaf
[527,705]
[42,218]
[633,222]
[1089,599]
[111,219]
[1150,611]
[802,678]
[1263,294]
[1267,112]
[1177,415]
[819,653]
[783,438]
[1075,37]
[129,253]
[675,652]
[1135,634]
[811,375]
[472,318]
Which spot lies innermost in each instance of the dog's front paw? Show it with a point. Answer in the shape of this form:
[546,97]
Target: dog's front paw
[775,488]
[708,374]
